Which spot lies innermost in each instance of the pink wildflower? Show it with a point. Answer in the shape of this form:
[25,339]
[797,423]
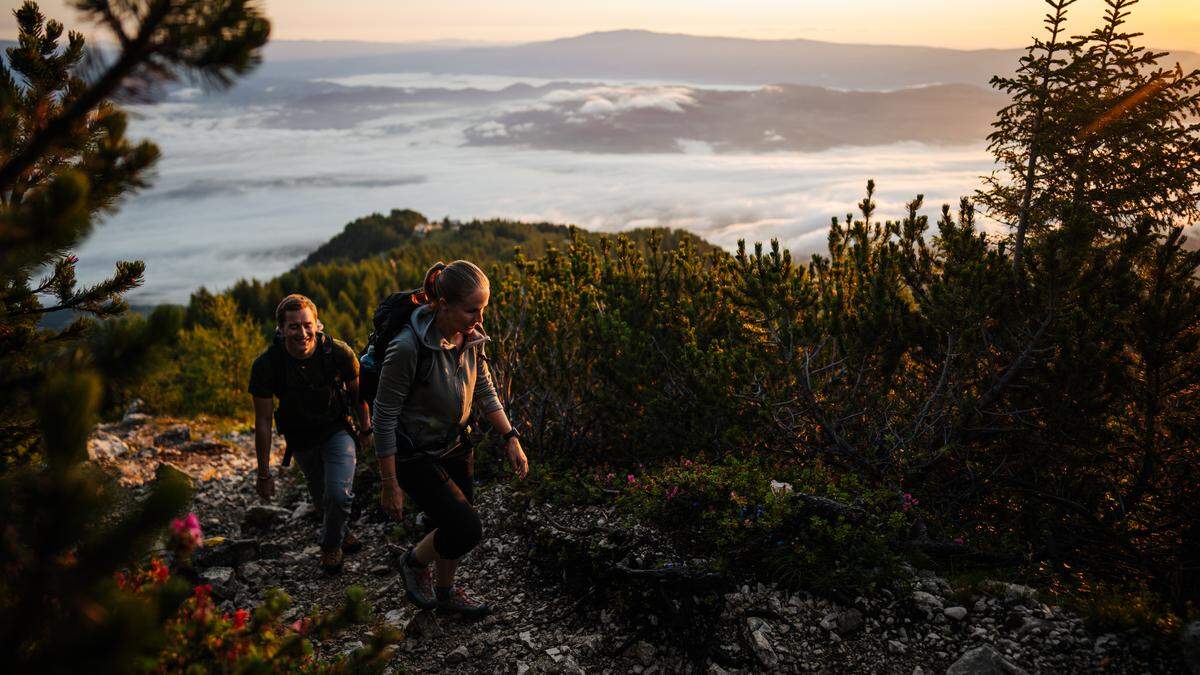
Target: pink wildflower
[672,492]
[629,478]
[908,501]
[188,536]
[239,619]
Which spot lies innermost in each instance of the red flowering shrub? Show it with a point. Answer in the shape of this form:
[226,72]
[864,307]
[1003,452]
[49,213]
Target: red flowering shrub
[199,637]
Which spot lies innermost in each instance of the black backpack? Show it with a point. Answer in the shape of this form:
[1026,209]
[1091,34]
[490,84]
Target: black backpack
[391,316]
[330,375]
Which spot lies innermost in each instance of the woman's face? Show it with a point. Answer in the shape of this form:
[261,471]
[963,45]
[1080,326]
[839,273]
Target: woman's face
[461,317]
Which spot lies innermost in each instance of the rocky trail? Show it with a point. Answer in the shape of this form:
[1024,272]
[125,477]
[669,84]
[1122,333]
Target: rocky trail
[574,593]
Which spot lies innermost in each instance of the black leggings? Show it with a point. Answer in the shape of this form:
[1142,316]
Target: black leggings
[444,490]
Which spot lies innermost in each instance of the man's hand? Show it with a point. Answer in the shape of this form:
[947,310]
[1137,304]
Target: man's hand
[364,441]
[265,487]
[391,498]
[516,457]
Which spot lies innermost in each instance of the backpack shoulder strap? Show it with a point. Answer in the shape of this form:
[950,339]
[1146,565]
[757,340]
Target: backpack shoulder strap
[329,369]
[278,360]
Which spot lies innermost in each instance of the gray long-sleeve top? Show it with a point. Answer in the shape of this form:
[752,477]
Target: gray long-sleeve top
[428,411]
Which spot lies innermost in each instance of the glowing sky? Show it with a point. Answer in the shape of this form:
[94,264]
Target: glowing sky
[1172,24]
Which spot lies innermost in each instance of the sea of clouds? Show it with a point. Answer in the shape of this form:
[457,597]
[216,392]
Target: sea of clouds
[238,193]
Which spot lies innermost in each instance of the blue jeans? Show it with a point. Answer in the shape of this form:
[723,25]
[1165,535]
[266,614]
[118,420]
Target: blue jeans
[329,471]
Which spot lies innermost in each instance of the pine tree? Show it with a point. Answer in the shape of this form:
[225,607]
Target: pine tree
[65,161]
[1095,124]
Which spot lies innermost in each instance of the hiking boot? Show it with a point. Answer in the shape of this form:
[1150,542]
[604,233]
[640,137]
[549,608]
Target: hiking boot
[456,600]
[351,544]
[331,560]
[418,582]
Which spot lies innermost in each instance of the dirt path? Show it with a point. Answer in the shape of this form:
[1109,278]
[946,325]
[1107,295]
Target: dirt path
[537,567]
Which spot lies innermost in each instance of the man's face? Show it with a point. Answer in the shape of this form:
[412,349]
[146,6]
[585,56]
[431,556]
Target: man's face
[300,331]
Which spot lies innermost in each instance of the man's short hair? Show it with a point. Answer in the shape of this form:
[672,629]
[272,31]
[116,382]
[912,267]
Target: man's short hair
[293,303]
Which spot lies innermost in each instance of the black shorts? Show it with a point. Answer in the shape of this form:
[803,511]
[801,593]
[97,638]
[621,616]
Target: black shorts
[445,491]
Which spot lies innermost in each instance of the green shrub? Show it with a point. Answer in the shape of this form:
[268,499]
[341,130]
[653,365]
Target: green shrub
[730,508]
[210,367]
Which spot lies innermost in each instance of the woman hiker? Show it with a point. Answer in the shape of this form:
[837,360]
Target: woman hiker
[433,371]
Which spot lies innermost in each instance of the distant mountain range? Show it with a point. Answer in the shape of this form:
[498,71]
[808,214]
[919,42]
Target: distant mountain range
[645,55]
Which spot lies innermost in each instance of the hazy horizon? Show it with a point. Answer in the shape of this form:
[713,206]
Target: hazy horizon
[1166,24]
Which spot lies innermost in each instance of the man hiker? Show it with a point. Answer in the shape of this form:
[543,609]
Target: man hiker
[315,378]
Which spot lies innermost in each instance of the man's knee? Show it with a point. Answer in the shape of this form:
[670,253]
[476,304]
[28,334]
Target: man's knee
[338,496]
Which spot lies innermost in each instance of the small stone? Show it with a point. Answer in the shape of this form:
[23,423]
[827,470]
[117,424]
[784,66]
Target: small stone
[381,570]
[176,435]
[555,654]
[103,445]
[253,573]
[642,651]
[228,553]
[394,617]
[136,419]
[896,647]
[457,655]
[924,598]
[1190,637]
[843,622]
[527,637]
[984,660]
[217,575]
[956,613]
[760,640]
[522,668]
[423,625]
[302,510]
[264,516]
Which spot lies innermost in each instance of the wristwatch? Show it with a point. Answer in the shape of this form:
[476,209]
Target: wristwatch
[512,433]
[368,431]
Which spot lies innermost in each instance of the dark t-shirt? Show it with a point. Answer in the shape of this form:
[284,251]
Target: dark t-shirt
[310,402]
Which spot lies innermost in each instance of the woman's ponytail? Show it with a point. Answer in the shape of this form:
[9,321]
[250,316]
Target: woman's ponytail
[433,285]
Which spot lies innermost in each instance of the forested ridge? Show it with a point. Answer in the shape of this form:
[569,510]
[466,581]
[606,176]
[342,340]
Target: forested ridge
[920,415]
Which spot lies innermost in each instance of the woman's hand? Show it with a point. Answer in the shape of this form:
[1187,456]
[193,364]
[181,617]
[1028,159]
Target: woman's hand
[516,457]
[391,498]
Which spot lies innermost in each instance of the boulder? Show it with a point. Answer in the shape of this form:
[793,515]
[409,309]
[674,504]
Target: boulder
[264,517]
[984,660]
